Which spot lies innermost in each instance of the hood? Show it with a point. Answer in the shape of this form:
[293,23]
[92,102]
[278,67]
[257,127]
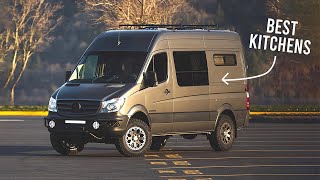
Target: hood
[83,91]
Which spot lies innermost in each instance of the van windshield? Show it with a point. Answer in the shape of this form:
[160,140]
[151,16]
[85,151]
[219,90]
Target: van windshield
[109,67]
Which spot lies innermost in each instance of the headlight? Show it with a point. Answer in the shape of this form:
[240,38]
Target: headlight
[52,105]
[112,105]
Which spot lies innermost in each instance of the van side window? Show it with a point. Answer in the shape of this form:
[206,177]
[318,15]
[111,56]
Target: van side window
[225,60]
[191,68]
[159,64]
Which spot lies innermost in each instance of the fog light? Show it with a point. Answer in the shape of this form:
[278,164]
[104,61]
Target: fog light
[52,124]
[95,125]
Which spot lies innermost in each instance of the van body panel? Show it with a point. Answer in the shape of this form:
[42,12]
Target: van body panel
[139,108]
[226,97]
[84,91]
[122,40]
[185,44]
[160,45]
[159,103]
[222,44]
[133,99]
[185,109]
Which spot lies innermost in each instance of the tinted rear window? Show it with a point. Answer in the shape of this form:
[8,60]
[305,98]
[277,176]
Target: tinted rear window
[225,60]
[191,68]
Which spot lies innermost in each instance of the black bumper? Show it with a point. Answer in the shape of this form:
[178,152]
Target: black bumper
[112,125]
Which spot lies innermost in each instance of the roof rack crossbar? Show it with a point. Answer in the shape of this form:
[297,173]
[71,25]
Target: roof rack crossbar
[170,26]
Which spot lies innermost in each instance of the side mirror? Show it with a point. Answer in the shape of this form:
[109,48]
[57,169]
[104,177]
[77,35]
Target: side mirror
[68,74]
[150,79]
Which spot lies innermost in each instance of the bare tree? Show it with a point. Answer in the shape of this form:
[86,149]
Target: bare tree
[32,21]
[115,12]
[4,45]
[275,7]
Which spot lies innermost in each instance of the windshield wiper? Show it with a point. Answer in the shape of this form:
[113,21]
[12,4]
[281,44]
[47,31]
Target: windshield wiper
[106,80]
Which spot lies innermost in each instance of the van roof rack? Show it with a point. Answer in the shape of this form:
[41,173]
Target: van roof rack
[171,26]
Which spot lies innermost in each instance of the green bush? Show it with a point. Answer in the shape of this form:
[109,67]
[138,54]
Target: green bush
[23,108]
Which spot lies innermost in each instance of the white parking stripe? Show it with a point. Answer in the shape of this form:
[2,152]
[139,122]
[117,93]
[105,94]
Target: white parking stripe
[317,141]
[243,145]
[244,157]
[276,150]
[243,166]
[11,120]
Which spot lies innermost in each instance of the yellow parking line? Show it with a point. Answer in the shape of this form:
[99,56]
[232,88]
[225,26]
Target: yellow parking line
[158,163]
[192,172]
[284,113]
[173,156]
[181,163]
[23,113]
[151,155]
[167,171]
[238,175]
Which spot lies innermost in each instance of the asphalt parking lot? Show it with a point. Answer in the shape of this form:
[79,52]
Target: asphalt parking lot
[274,148]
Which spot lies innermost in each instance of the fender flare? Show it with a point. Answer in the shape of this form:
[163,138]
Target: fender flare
[138,108]
[221,109]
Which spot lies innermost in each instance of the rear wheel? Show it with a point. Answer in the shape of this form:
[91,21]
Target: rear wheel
[65,147]
[136,140]
[158,143]
[223,137]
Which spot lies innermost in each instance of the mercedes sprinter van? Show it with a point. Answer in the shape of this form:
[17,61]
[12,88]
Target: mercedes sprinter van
[137,88]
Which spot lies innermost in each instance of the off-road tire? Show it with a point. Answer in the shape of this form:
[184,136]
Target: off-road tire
[218,139]
[121,143]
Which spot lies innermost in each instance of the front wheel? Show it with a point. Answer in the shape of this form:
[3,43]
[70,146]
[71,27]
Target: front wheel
[223,137]
[136,140]
[65,147]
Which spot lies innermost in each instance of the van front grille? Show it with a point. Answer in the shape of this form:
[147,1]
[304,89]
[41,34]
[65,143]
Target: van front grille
[77,107]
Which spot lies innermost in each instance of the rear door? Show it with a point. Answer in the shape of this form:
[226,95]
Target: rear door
[220,63]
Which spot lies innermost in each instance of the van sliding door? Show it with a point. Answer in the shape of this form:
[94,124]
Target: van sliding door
[190,91]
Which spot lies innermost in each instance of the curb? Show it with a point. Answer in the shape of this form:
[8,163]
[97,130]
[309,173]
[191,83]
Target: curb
[285,113]
[23,113]
[45,113]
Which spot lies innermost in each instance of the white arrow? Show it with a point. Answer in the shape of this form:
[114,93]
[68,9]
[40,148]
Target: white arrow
[245,78]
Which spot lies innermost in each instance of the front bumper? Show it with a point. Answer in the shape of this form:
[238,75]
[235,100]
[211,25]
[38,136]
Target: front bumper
[112,125]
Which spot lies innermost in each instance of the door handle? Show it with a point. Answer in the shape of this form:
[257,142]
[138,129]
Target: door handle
[166,91]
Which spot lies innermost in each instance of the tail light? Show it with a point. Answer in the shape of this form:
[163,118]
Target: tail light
[247,98]
[248,102]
